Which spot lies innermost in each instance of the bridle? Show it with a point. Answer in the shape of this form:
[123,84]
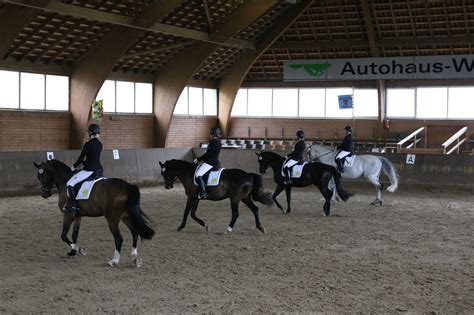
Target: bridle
[320,156]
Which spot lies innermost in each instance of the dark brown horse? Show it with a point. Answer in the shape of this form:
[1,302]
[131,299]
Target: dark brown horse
[314,173]
[234,184]
[113,198]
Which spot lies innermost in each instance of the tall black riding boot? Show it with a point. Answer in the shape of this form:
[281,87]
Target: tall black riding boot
[202,188]
[340,167]
[71,205]
[287,171]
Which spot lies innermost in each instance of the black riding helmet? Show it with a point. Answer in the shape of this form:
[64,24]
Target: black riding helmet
[348,128]
[300,134]
[93,129]
[215,132]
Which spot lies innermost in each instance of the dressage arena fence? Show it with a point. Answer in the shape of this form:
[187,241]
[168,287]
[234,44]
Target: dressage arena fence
[141,166]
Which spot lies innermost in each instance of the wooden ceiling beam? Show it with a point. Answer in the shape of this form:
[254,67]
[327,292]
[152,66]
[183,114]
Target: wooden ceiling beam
[369,24]
[137,23]
[173,77]
[234,77]
[90,72]
[387,42]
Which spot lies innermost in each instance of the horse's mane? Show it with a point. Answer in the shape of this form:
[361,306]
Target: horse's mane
[58,164]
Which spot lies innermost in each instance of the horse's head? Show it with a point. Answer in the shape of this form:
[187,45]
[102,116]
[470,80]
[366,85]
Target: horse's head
[45,177]
[316,151]
[168,174]
[263,162]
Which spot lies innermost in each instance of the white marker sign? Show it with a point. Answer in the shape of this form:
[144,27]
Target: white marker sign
[50,155]
[410,159]
[116,154]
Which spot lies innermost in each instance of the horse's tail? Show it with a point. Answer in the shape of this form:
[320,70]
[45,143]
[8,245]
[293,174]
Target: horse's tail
[391,172]
[258,194]
[137,216]
[343,194]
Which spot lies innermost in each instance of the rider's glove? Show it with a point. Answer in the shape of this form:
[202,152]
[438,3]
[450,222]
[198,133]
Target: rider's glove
[73,168]
[196,161]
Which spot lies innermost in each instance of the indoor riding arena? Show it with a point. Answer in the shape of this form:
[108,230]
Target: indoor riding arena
[238,156]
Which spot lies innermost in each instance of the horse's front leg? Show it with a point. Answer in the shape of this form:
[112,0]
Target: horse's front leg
[75,235]
[235,214]
[279,188]
[288,197]
[67,221]
[194,205]
[185,215]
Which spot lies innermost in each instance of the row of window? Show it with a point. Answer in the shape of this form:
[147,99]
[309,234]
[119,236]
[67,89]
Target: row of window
[419,103]
[305,103]
[126,97]
[20,90]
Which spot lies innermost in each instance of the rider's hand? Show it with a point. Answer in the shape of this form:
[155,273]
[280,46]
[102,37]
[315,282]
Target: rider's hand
[196,161]
[73,168]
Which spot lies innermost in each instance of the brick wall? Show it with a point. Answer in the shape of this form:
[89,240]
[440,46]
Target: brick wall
[189,131]
[120,131]
[30,130]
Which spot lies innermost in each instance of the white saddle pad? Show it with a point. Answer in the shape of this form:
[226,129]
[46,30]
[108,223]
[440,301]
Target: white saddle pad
[349,160]
[213,179]
[296,171]
[86,189]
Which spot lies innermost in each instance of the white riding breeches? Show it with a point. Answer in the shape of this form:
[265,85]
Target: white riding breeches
[290,163]
[342,154]
[80,176]
[202,169]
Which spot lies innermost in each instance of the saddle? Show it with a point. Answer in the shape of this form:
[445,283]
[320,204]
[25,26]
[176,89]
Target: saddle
[348,159]
[96,175]
[211,177]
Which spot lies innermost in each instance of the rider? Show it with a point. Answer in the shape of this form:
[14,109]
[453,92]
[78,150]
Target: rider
[294,157]
[91,152]
[344,149]
[208,160]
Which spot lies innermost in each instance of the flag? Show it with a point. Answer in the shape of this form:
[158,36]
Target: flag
[345,101]
[97,110]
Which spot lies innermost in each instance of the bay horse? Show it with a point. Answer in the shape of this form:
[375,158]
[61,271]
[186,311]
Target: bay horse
[368,166]
[113,198]
[317,174]
[234,184]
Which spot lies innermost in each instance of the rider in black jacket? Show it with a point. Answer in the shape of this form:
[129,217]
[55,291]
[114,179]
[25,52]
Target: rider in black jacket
[91,152]
[208,160]
[294,157]
[344,149]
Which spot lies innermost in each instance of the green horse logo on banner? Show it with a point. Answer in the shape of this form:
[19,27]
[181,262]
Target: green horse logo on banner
[314,70]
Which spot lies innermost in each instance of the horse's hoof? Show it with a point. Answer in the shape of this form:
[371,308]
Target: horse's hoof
[207,228]
[229,229]
[326,213]
[137,261]
[179,229]
[262,229]
[82,251]
[73,252]
[112,263]
[377,203]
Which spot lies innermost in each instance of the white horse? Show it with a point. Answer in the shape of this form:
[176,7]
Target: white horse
[369,166]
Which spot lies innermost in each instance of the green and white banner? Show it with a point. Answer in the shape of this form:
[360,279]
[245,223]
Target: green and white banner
[397,68]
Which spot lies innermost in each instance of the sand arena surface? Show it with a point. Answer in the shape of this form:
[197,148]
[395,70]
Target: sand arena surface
[414,254]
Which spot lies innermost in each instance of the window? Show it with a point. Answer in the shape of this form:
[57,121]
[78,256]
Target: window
[196,101]
[240,103]
[125,101]
[57,92]
[32,91]
[285,102]
[259,102]
[431,102]
[400,102]
[312,102]
[366,103]
[332,103]
[22,90]
[126,97]
[9,89]
[460,102]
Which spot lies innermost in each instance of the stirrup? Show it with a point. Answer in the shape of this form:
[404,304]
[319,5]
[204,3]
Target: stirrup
[203,196]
